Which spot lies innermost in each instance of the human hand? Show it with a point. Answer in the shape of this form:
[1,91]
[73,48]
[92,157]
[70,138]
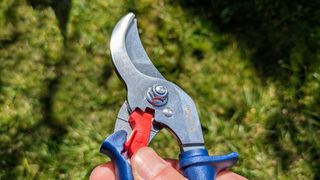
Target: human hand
[146,164]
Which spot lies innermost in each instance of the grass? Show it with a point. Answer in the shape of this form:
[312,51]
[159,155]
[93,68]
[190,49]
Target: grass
[256,85]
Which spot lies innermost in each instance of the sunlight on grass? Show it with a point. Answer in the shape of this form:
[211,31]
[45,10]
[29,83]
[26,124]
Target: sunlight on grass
[59,96]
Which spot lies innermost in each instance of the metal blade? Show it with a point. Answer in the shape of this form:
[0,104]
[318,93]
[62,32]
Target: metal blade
[179,114]
[137,53]
[127,50]
[129,57]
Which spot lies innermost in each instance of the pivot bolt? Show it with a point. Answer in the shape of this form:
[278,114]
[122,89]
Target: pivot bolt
[157,95]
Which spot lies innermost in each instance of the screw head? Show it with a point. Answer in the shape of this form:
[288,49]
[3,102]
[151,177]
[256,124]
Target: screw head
[160,90]
[157,95]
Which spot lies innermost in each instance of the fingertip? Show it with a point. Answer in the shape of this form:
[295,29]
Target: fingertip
[142,151]
[147,164]
[103,171]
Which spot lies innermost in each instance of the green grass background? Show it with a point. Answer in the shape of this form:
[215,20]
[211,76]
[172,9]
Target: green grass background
[252,68]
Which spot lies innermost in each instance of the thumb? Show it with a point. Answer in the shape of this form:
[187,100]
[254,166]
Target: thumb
[146,164]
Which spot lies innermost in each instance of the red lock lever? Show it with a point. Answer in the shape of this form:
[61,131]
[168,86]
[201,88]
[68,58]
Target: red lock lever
[140,122]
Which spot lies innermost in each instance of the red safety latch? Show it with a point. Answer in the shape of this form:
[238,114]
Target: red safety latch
[140,122]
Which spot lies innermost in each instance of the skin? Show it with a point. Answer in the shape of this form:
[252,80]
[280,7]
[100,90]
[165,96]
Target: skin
[146,164]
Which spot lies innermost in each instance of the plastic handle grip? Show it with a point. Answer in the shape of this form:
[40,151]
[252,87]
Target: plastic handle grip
[112,147]
[198,165]
[141,123]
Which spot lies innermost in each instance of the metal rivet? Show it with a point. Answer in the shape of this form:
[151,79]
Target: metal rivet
[167,112]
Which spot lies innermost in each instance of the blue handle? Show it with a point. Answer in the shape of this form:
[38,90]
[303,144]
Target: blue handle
[112,147]
[198,165]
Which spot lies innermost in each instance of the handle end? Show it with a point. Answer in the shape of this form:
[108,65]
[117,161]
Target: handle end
[197,164]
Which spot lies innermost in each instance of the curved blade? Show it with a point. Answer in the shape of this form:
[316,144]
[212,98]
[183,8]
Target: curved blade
[137,53]
[127,51]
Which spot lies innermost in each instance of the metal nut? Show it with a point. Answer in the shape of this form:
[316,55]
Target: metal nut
[157,95]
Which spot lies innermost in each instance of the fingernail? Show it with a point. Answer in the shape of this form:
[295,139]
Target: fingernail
[147,164]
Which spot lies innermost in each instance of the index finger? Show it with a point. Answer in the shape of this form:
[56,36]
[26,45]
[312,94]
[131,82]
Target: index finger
[107,170]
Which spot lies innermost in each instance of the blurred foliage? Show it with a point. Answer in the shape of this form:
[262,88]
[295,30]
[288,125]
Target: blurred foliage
[253,69]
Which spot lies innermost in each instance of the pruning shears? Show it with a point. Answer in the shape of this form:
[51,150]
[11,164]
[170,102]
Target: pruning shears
[154,103]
